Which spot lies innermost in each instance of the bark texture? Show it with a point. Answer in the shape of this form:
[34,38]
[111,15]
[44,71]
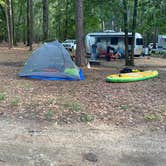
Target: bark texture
[80,51]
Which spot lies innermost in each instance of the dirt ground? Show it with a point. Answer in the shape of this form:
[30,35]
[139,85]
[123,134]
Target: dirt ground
[29,143]
[121,104]
[57,123]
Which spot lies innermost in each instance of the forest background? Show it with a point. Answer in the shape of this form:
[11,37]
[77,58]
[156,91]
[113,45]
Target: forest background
[55,19]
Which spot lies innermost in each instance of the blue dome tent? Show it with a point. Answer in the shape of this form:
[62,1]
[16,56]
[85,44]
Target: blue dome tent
[51,62]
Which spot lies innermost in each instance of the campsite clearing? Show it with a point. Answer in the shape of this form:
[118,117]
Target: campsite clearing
[121,104]
[84,123]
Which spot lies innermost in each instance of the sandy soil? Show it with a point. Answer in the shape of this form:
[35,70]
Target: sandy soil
[34,144]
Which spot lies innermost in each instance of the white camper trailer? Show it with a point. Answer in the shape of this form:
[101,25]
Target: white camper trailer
[162,42]
[113,39]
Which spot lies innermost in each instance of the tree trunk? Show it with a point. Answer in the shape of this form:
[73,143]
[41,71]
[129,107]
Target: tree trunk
[4,17]
[28,30]
[66,20]
[9,22]
[24,30]
[30,23]
[103,26]
[13,28]
[126,32]
[80,51]
[20,21]
[133,32]
[155,37]
[8,30]
[45,20]
[155,27]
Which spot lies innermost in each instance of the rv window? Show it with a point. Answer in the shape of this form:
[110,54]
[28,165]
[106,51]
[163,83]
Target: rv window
[114,40]
[139,42]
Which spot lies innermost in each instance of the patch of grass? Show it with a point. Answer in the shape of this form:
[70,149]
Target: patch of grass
[164,111]
[75,107]
[15,101]
[124,107]
[87,118]
[152,117]
[2,96]
[66,105]
[49,114]
[27,86]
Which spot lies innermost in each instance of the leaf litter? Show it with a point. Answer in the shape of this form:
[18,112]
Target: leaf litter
[124,104]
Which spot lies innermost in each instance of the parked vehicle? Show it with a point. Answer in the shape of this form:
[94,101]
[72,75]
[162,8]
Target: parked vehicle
[160,46]
[151,45]
[162,42]
[113,39]
[70,44]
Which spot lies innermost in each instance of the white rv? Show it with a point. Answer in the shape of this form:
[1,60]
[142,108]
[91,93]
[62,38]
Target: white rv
[162,42]
[113,39]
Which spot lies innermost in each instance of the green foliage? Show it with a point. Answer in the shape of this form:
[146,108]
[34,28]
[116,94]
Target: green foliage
[27,86]
[151,14]
[15,101]
[49,114]
[2,3]
[87,118]
[2,96]
[152,117]
[74,106]
[124,107]
[164,111]
[66,105]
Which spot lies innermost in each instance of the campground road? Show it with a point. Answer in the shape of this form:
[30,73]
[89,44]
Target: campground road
[33,144]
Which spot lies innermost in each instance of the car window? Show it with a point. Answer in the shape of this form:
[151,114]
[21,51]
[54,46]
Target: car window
[67,41]
[70,41]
